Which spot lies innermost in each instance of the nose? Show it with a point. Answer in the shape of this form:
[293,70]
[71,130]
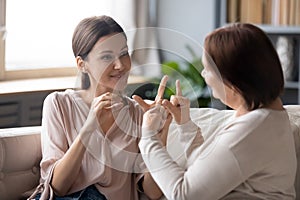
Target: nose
[118,64]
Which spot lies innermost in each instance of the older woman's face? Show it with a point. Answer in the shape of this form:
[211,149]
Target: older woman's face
[108,63]
[212,79]
[227,94]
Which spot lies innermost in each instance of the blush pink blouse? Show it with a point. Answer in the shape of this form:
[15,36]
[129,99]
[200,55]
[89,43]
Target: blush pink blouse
[111,161]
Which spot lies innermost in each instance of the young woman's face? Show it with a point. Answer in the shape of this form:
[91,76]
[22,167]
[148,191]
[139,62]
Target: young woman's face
[108,63]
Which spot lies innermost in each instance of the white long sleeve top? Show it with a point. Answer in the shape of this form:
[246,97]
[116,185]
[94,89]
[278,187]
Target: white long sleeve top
[253,156]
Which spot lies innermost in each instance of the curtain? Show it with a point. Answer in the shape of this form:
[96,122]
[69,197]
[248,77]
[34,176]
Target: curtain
[138,18]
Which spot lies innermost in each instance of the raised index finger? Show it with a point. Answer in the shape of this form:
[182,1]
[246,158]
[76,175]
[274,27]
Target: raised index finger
[178,89]
[161,88]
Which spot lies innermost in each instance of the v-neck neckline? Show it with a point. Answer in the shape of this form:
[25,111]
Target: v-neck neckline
[111,131]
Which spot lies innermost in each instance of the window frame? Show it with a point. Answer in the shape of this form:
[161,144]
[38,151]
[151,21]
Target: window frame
[2,41]
[27,73]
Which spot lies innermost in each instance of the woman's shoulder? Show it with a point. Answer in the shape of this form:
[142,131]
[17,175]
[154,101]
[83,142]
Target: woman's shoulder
[60,97]
[259,124]
[264,115]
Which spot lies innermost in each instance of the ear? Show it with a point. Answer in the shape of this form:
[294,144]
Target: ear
[235,91]
[81,64]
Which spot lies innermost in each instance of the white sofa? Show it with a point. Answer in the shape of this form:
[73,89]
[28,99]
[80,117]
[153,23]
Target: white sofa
[20,150]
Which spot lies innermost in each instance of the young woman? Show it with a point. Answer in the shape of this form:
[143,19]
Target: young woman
[90,136]
[253,157]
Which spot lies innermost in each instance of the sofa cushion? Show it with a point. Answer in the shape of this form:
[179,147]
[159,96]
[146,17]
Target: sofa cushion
[294,115]
[20,155]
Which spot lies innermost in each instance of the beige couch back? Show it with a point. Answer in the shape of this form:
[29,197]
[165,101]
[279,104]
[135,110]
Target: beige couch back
[20,155]
[20,150]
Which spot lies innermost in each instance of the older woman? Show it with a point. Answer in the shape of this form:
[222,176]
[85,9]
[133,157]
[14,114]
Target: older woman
[253,157]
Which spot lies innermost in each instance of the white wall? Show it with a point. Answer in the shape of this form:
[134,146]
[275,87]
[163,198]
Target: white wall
[184,22]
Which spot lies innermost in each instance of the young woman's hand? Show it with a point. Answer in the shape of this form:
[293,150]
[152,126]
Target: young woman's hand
[107,101]
[158,99]
[178,106]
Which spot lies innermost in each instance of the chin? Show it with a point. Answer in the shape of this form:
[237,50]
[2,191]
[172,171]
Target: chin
[215,95]
[119,86]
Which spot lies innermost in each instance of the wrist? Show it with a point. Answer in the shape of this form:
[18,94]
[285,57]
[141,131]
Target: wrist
[85,135]
[148,133]
[188,126]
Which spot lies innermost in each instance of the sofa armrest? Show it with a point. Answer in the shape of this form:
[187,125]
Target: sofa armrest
[20,156]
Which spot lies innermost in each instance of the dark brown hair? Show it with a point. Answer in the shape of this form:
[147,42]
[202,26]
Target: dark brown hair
[246,59]
[87,33]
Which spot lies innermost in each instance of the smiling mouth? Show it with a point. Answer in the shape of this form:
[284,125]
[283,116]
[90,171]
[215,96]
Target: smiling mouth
[117,76]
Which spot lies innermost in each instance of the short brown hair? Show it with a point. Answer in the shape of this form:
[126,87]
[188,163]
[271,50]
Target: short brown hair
[247,60]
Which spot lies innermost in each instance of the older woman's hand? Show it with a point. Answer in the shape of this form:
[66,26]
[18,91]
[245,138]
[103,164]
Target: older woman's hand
[178,106]
[158,99]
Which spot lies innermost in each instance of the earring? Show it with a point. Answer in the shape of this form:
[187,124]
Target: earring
[83,68]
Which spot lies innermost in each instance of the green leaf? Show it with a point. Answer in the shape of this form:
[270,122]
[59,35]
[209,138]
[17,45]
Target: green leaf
[168,68]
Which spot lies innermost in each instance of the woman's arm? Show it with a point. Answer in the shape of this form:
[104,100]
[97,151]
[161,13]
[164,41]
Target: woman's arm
[64,173]
[69,160]
[179,107]
[190,137]
[211,176]
[150,188]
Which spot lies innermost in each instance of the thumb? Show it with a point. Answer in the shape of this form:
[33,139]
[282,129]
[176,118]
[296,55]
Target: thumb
[168,120]
[141,102]
[169,106]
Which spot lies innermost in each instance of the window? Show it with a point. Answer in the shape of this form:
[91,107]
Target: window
[35,36]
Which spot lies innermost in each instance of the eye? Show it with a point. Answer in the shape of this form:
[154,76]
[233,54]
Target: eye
[203,73]
[107,57]
[124,53]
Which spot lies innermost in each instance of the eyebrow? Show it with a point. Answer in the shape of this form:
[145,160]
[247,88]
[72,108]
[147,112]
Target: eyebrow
[125,47]
[109,51]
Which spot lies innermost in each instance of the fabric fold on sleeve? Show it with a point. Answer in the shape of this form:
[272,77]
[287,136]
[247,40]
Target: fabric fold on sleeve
[45,188]
[190,137]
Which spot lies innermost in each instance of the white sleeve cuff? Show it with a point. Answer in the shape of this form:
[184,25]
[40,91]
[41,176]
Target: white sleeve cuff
[188,127]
